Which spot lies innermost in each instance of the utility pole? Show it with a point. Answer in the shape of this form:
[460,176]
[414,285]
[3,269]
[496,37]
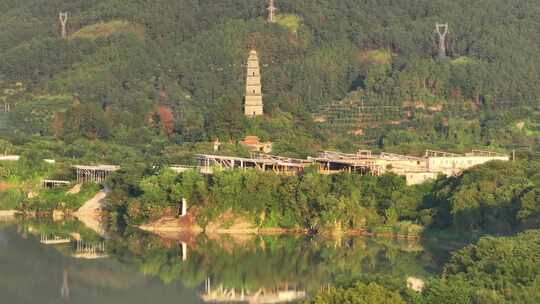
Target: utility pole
[63,16]
[271,11]
[442,30]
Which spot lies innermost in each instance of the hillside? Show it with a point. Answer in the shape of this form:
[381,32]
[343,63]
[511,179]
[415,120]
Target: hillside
[158,76]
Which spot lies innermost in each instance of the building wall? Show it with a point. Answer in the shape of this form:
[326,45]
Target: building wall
[402,166]
[417,178]
[452,165]
[418,172]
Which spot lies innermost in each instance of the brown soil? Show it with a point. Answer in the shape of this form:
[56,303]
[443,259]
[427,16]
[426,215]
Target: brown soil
[231,223]
[172,225]
[237,228]
[228,223]
[5,186]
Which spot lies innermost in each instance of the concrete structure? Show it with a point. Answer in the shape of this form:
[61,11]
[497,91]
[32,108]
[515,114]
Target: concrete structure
[336,162]
[182,168]
[281,165]
[7,215]
[94,173]
[184,248]
[9,157]
[183,211]
[47,183]
[452,164]
[254,144]
[5,108]
[254,102]
[54,240]
[416,170]
[417,178]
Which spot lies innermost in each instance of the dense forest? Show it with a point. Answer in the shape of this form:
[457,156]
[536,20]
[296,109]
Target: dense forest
[145,84]
[469,277]
[495,198]
[148,79]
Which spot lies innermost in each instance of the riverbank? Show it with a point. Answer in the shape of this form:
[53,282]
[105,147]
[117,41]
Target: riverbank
[226,223]
[229,223]
[8,213]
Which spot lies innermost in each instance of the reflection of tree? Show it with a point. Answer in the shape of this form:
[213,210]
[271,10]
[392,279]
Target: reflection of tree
[70,237]
[65,228]
[269,262]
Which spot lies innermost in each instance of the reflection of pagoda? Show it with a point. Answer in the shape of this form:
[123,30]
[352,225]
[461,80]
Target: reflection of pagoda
[261,296]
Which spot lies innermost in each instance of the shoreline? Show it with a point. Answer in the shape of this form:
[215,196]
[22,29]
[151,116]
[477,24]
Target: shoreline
[8,213]
[157,229]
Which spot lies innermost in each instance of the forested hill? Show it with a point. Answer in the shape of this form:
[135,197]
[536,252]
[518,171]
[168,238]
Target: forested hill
[132,72]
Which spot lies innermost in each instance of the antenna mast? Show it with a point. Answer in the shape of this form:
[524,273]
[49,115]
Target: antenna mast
[271,11]
[442,30]
[63,16]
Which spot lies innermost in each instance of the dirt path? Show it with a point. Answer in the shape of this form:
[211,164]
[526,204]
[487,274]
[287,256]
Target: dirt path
[93,206]
[90,212]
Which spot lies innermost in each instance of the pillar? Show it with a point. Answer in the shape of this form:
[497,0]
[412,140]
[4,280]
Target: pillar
[184,251]
[184,207]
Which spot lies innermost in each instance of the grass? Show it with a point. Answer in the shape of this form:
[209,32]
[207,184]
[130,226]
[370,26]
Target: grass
[104,29]
[290,21]
[10,199]
[463,60]
[58,198]
[377,56]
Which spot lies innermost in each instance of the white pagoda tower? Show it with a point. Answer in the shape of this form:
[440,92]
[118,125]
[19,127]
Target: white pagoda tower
[254,102]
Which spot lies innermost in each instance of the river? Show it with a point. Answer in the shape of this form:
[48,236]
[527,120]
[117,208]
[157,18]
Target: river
[42,261]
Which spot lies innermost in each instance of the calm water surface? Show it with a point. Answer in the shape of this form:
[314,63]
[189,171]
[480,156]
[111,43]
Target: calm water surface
[66,262]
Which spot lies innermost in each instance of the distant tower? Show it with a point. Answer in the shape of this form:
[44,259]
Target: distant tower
[63,22]
[271,11]
[442,30]
[253,103]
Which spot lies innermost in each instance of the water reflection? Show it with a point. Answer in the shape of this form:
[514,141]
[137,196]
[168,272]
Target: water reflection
[263,295]
[266,269]
[200,268]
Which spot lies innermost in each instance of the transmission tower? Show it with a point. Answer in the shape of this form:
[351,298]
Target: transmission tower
[442,30]
[271,11]
[63,16]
